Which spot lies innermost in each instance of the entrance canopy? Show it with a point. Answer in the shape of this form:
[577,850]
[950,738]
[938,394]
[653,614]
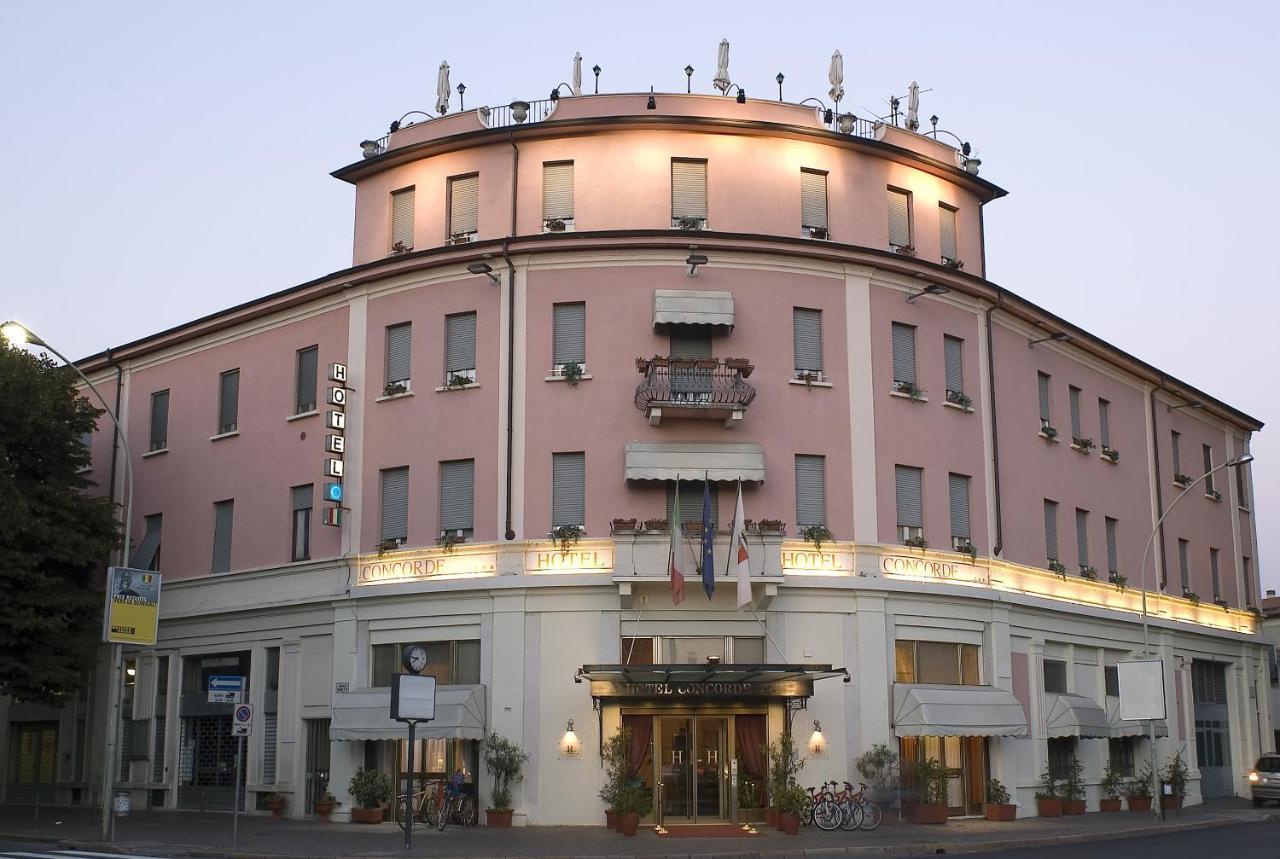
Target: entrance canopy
[365,715]
[1129,727]
[956,711]
[1075,716]
[683,682]
[658,460]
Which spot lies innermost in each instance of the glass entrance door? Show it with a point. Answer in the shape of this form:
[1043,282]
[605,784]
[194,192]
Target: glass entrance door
[693,768]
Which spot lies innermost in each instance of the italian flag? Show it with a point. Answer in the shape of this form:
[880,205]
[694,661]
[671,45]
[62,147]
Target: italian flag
[677,577]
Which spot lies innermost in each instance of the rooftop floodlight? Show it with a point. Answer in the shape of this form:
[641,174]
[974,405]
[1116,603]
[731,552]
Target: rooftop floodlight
[780,78]
[1057,336]
[693,261]
[519,111]
[596,71]
[742,96]
[688,73]
[483,268]
[846,122]
[930,289]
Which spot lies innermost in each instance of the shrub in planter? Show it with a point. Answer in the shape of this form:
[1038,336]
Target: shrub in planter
[1138,790]
[634,801]
[1175,775]
[790,802]
[505,762]
[615,773]
[1073,788]
[924,788]
[1113,783]
[879,769]
[1048,798]
[998,805]
[324,806]
[275,803]
[369,788]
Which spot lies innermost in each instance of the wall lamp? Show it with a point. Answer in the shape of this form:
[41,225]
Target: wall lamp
[1190,404]
[555,93]
[570,747]
[817,742]
[484,268]
[693,261]
[1058,336]
[931,289]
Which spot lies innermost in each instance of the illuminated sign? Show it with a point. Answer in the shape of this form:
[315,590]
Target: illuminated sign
[333,492]
[335,445]
[807,561]
[923,568]
[376,571]
[573,561]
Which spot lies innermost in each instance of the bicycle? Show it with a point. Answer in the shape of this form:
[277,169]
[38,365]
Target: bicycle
[424,804]
[858,811]
[457,807]
[872,814]
[828,812]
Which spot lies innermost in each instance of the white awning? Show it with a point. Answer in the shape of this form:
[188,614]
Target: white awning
[365,715]
[692,307]
[956,711]
[1075,716]
[660,460]
[1129,727]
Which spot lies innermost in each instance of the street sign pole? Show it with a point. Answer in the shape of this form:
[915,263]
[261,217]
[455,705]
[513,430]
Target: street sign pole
[408,794]
[235,812]
[107,830]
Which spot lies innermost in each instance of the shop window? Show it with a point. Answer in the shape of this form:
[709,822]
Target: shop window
[1055,676]
[941,662]
[450,662]
[1120,750]
[1111,678]
[637,651]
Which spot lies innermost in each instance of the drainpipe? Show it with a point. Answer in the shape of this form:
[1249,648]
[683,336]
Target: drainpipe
[510,533]
[1155,453]
[991,406]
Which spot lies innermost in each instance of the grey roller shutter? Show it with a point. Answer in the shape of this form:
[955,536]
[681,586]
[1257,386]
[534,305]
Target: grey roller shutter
[457,495]
[1208,467]
[399,352]
[1112,564]
[464,202]
[1182,565]
[904,353]
[159,420]
[395,504]
[1075,411]
[691,501]
[1043,382]
[305,399]
[690,341]
[568,489]
[811,490]
[958,487]
[270,730]
[947,231]
[460,342]
[1213,573]
[301,497]
[688,189]
[807,327]
[899,218]
[569,322]
[1104,423]
[953,360]
[1175,438]
[157,751]
[402,206]
[144,557]
[229,401]
[813,199]
[1082,536]
[557,190]
[908,483]
[1051,529]
[223,516]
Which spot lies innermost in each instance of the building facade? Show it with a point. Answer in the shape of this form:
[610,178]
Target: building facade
[563,320]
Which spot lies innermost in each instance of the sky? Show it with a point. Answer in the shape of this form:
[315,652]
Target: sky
[166,160]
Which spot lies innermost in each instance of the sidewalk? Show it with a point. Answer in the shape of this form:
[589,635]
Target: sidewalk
[174,833]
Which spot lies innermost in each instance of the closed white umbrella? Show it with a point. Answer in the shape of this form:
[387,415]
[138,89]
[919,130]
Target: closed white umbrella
[913,106]
[836,75]
[442,90]
[577,74]
[722,81]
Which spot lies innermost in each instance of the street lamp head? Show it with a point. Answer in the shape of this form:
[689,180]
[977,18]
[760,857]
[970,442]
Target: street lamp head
[17,334]
[1242,459]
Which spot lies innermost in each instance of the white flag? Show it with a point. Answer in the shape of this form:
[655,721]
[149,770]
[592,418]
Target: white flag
[738,556]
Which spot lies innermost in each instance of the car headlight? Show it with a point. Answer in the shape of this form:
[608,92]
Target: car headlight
[1253,776]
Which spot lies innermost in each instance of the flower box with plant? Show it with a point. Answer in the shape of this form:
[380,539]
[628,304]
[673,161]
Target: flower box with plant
[275,803]
[458,380]
[998,805]
[1048,797]
[1118,580]
[961,399]
[1056,566]
[1175,775]
[389,545]
[816,534]
[879,769]
[1213,495]
[1090,573]
[571,372]
[689,222]
[656,524]
[505,762]
[325,805]
[370,789]
[1112,785]
[909,389]
[916,542]
[1221,603]
[1049,433]
[460,238]
[400,248]
[905,250]
[808,377]
[1191,596]
[1073,792]
[1110,454]
[567,536]
[1138,790]
[952,263]
[966,547]
[622,526]
[819,233]
[395,389]
[1082,445]
[771,526]
[555,225]
[924,787]
[449,540]
[1181,479]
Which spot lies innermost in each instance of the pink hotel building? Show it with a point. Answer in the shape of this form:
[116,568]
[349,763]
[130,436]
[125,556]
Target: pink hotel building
[556,311]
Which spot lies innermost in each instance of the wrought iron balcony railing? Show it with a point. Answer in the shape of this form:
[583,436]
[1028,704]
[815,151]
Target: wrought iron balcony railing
[694,388]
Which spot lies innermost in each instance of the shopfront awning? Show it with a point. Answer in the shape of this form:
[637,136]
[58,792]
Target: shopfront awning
[956,711]
[681,682]
[658,460]
[1075,716]
[365,715]
[1128,727]
[692,307]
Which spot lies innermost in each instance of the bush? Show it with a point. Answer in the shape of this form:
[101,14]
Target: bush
[784,765]
[925,782]
[1113,783]
[634,798]
[1140,785]
[1176,775]
[790,799]
[1073,780]
[370,788]
[996,792]
[1048,785]
[505,761]
[615,767]
[879,767]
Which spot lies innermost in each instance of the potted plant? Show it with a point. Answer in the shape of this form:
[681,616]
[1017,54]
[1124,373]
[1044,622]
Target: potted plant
[642,366]
[819,233]
[395,389]
[952,263]
[1055,566]
[401,248]
[1138,790]
[879,768]
[925,783]
[1090,573]
[917,542]
[1048,802]
[1181,479]
[789,803]
[742,365]
[1083,445]
[448,540]
[1118,580]
[689,222]
[1191,596]
[275,803]
[911,389]
[566,536]
[1213,494]
[961,399]
[621,526]
[1048,432]
[459,238]
[772,526]
[817,535]
[324,806]
[555,225]
[1073,801]
[1110,453]
[634,802]
[1175,775]
[505,762]
[458,380]
[784,765]
[615,769]
[1112,784]
[998,805]
[969,549]
[905,250]
[655,524]
[369,788]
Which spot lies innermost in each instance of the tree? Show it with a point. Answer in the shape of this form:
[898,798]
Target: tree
[53,534]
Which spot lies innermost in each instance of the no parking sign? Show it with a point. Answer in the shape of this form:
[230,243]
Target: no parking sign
[242,721]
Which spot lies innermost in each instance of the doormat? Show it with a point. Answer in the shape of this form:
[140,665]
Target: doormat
[707,830]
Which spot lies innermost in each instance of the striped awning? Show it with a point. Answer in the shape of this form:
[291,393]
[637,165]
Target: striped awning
[956,711]
[656,460]
[1075,716]
[365,714]
[692,307]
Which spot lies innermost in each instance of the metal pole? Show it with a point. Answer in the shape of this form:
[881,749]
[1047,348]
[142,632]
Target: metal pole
[408,794]
[108,821]
[235,809]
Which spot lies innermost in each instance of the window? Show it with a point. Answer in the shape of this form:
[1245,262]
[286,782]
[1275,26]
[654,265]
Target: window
[1120,751]
[557,195]
[305,399]
[301,505]
[688,194]
[904,354]
[1274,659]
[159,420]
[1208,467]
[1175,438]
[1042,380]
[1208,682]
[1213,573]
[402,205]
[460,347]
[958,492]
[737,649]
[1242,484]
[448,661]
[1051,530]
[1182,566]
[147,555]
[1246,564]
[691,501]
[690,341]
[947,233]
[223,514]
[457,496]
[637,651]
[1112,564]
[1082,538]
[568,489]
[1075,412]
[813,203]
[936,662]
[569,334]
[1111,680]
[1062,755]
[811,490]
[399,353]
[953,363]
[899,218]
[1104,422]
[464,196]
[908,483]
[395,505]
[806,327]
[1055,676]
[228,401]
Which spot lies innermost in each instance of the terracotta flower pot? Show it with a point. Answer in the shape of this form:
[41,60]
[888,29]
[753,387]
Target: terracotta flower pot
[323,808]
[1001,811]
[610,819]
[789,822]
[1109,804]
[275,807]
[926,814]
[771,816]
[628,823]
[498,818]
[1046,807]
[366,815]
[1073,806]
[1139,803]
[1171,802]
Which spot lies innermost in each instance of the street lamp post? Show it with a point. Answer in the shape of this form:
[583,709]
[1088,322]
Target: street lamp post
[18,334]
[1234,462]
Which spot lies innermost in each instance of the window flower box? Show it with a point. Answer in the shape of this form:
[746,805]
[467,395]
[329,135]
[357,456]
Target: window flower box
[1221,603]
[1213,495]
[1048,433]
[917,542]
[911,389]
[1082,445]
[817,535]
[1118,580]
[952,263]
[688,222]
[961,399]
[1055,566]
[622,526]
[1182,480]
[555,225]
[1110,454]
[819,233]
[1089,573]
[771,526]
[655,524]
[1191,596]
[567,536]
[905,250]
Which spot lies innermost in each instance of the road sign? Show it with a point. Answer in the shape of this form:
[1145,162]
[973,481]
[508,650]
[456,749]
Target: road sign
[242,721]
[226,689]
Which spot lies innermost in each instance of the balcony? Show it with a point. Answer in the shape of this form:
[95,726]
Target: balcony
[706,388]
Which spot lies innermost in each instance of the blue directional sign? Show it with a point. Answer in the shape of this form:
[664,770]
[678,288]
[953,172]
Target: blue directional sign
[226,689]
[333,492]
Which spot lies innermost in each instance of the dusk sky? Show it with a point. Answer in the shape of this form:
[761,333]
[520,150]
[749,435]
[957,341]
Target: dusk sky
[168,160]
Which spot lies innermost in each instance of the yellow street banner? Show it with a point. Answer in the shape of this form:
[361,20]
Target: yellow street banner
[133,606]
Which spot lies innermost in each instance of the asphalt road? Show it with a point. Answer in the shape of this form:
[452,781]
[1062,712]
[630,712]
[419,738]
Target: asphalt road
[1245,841]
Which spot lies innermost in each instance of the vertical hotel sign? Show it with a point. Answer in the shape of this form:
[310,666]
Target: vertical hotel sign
[133,606]
[335,443]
